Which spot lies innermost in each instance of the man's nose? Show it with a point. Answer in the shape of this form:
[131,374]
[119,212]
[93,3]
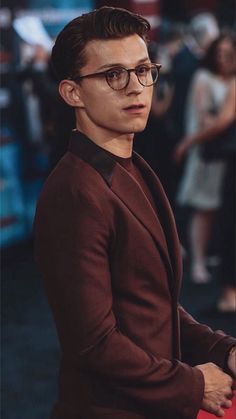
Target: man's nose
[134,86]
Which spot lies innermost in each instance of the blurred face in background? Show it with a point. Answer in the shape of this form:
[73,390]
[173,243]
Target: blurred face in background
[226,57]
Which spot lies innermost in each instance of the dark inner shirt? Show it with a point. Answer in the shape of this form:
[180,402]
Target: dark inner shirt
[128,164]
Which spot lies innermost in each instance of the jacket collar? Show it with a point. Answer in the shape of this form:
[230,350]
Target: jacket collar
[94,155]
[162,227]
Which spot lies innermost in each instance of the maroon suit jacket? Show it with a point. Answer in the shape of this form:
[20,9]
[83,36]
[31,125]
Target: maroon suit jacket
[112,271]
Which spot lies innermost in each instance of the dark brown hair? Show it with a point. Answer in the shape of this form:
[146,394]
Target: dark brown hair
[210,59]
[68,54]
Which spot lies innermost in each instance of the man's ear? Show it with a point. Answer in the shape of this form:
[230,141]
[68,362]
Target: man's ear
[70,92]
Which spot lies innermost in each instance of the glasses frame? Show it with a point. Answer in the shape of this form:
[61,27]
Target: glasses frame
[128,70]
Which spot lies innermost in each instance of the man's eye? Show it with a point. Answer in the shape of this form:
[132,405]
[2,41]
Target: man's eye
[143,69]
[115,73]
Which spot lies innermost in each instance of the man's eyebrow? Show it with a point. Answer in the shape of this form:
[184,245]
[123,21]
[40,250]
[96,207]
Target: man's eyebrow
[142,60]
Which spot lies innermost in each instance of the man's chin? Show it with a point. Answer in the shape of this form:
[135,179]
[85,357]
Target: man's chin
[138,127]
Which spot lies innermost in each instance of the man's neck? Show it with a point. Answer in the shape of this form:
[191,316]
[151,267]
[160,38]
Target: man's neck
[120,145]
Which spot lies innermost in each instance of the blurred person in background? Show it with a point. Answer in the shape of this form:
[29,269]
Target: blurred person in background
[201,31]
[227,219]
[155,144]
[180,49]
[210,110]
[55,116]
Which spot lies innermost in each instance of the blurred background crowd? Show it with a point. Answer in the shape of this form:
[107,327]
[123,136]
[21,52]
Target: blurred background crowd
[190,142]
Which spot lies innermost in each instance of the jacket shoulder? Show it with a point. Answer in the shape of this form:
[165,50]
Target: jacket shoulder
[73,176]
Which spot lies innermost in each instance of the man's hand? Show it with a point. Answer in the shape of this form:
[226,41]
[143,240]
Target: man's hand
[232,361]
[218,391]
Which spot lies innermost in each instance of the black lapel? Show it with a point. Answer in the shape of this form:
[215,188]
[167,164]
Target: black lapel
[90,152]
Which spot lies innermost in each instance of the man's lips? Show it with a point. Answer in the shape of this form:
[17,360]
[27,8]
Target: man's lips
[135,109]
[135,106]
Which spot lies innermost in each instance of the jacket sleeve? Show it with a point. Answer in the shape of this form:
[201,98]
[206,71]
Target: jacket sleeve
[72,250]
[200,344]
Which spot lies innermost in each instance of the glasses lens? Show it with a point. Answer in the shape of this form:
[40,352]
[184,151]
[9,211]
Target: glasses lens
[117,78]
[147,74]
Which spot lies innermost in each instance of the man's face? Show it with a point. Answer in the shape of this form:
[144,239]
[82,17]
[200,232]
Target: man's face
[106,112]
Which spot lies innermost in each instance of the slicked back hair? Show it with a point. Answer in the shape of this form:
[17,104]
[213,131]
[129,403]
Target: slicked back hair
[68,54]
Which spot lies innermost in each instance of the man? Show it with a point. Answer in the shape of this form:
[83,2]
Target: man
[107,245]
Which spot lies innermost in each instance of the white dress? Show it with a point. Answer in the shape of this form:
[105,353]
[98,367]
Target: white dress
[201,184]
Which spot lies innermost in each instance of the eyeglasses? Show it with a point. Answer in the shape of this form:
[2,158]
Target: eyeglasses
[118,77]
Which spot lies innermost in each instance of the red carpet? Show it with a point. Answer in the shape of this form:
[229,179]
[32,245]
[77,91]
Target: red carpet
[229,413]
